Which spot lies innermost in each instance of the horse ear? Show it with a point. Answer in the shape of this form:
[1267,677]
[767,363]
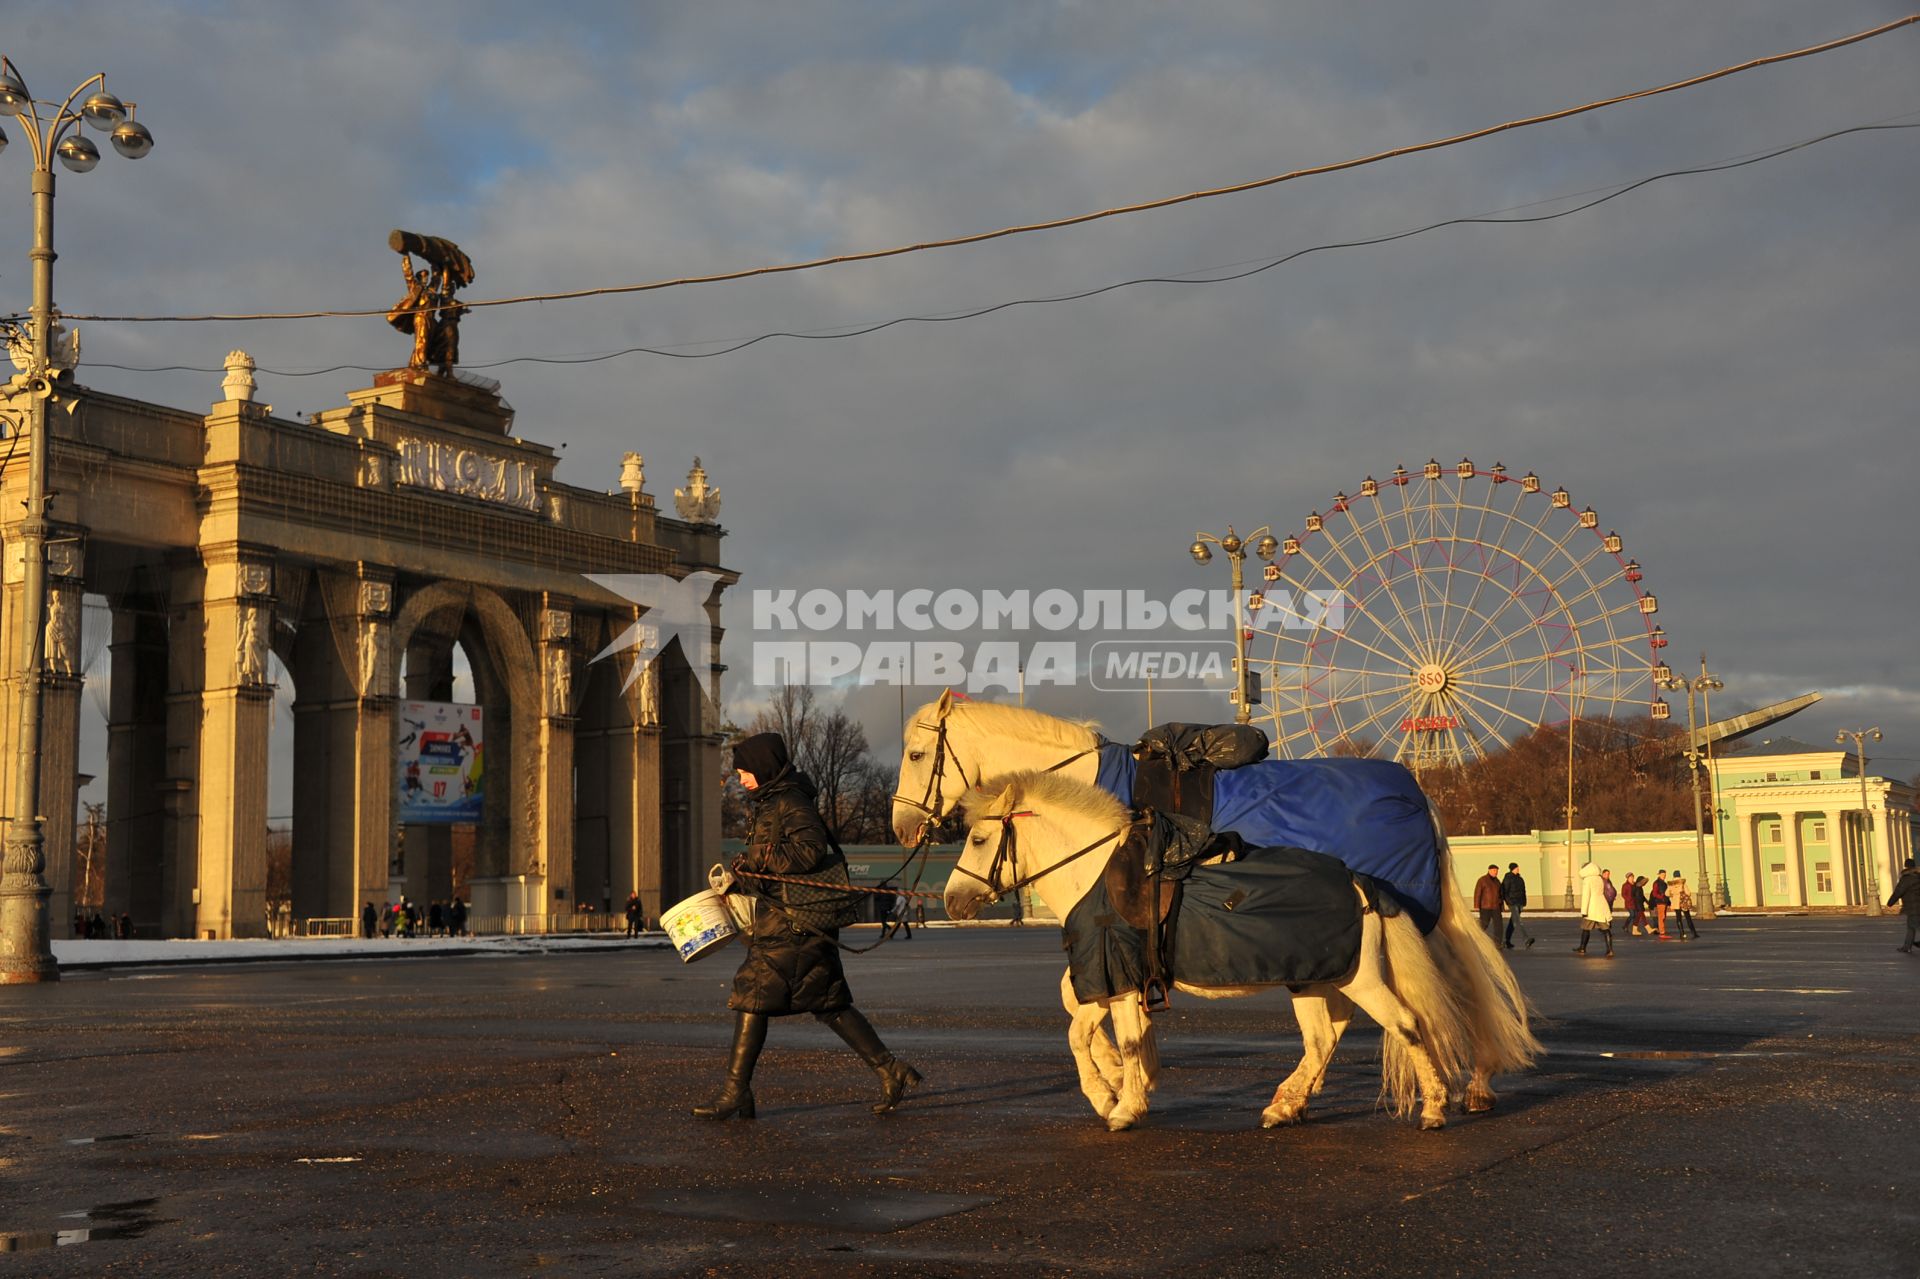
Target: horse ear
[944,705]
[1007,800]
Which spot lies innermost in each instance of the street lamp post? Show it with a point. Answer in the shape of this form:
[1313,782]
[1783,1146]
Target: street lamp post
[1236,548]
[1860,737]
[26,952]
[1705,683]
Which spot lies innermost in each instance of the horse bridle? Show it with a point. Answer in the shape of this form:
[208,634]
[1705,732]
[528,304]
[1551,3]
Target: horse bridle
[1007,854]
[943,750]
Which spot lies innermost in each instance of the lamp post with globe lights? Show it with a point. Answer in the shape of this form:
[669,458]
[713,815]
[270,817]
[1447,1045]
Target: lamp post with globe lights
[1860,737]
[52,131]
[1245,687]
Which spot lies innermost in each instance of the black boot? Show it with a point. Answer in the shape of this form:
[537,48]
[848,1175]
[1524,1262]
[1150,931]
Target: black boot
[1585,934]
[749,1037]
[896,1077]
[1608,934]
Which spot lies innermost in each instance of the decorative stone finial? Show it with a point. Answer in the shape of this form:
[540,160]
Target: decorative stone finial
[698,502]
[239,384]
[633,473]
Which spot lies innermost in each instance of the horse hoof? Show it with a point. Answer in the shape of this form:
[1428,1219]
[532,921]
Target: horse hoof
[1479,1103]
[1119,1121]
[1279,1116]
[1432,1123]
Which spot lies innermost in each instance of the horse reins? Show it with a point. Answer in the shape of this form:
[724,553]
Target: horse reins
[1007,854]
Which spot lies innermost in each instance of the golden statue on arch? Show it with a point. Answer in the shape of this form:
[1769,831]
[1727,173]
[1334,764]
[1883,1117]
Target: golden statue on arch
[429,310]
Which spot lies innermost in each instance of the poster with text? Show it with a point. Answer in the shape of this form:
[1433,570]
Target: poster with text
[441,755]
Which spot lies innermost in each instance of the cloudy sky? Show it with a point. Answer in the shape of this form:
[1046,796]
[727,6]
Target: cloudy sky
[1722,365]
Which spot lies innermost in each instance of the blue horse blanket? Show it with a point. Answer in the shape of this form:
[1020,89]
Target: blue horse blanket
[1369,813]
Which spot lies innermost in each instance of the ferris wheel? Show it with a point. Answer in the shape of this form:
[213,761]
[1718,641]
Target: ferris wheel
[1434,616]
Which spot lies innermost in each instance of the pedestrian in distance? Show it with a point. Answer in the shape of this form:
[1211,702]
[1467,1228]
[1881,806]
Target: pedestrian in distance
[1634,899]
[1596,909]
[902,926]
[369,921]
[1682,909]
[1906,895]
[634,911]
[1513,891]
[1486,900]
[1658,902]
[790,969]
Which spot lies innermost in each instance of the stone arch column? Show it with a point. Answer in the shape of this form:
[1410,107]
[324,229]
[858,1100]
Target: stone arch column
[342,666]
[617,772]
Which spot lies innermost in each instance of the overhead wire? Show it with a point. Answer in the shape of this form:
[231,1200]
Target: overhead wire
[1075,220]
[1191,277]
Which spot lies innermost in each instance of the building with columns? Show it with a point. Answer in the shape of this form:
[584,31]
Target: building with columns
[1791,821]
[358,548]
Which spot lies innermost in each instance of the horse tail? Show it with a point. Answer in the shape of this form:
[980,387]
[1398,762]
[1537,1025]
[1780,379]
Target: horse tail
[1439,1010]
[1497,1008]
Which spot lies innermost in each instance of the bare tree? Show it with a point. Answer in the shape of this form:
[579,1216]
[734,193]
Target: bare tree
[90,859]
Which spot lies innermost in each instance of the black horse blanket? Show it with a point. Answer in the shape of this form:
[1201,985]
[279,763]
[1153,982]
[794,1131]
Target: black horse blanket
[1277,916]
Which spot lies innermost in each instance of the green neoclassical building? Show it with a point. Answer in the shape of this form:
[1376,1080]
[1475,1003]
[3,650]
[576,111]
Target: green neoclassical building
[1789,818]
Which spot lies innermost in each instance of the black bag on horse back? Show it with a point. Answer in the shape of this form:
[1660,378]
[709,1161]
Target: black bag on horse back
[826,902]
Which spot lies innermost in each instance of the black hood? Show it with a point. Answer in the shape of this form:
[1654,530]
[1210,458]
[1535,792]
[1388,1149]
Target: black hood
[764,755]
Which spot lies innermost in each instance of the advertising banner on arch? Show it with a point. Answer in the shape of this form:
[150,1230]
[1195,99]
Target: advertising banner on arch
[441,754]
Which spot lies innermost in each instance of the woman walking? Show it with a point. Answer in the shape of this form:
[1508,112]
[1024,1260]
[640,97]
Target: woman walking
[787,969]
[1682,909]
[1596,910]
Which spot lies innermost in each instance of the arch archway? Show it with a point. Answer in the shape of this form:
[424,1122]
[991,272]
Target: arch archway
[506,681]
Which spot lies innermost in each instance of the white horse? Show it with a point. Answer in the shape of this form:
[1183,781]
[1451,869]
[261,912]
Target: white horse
[1065,833]
[950,745]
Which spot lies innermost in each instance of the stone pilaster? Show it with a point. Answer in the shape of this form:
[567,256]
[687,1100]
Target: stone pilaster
[373,779]
[554,767]
[61,687]
[236,717]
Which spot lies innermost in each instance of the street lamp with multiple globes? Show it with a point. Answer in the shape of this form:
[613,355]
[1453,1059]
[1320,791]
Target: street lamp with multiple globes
[1860,737]
[1245,687]
[1705,683]
[26,953]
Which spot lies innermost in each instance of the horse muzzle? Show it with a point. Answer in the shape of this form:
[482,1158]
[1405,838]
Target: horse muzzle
[964,902]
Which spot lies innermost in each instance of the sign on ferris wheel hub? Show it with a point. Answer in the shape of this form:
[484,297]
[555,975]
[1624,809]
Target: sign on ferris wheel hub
[440,751]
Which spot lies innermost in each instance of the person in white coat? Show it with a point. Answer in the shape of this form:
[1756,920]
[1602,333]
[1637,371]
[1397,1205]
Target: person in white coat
[1595,910]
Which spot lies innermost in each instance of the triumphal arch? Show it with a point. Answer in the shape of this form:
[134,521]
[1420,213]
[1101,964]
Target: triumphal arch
[358,548]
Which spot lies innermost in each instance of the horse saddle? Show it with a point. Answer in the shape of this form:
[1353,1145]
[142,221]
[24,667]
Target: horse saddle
[1143,876]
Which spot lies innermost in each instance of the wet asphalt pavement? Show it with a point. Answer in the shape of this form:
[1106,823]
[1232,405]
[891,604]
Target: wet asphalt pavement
[1744,1105]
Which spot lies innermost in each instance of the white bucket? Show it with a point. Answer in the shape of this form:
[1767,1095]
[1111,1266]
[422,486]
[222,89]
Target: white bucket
[698,925]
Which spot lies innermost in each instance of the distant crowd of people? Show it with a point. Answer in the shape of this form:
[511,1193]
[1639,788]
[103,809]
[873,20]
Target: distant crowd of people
[98,927]
[404,919]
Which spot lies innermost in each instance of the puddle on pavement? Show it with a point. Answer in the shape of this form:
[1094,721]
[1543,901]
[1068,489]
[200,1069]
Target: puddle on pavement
[128,1220]
[873,1211]
[114,1136]
[1663,1055]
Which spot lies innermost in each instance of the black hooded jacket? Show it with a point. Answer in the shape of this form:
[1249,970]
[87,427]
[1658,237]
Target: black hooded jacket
[786,971]
[1907,893]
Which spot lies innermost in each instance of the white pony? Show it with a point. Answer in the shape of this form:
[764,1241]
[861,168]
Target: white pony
[1065,832]
[951,744]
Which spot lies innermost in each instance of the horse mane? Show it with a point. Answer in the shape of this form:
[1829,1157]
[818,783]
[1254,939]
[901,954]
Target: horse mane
[1029,725]
[1055,790]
